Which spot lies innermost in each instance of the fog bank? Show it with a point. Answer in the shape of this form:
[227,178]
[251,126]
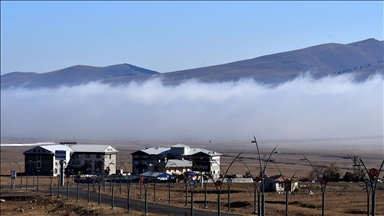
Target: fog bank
[301,109]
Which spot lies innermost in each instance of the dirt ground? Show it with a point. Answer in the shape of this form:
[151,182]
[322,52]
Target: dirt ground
[341,198]
[35,203]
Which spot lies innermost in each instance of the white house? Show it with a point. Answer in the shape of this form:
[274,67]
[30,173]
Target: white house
[93,159]
[83,158]
[278,183]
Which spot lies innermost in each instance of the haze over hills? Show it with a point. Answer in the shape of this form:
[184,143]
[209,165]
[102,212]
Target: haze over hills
[363,58]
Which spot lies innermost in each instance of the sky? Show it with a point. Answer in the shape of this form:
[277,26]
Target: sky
[169,36]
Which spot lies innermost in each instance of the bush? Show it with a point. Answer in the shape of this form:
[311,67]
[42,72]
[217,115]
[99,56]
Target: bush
[332,173]
[348,176]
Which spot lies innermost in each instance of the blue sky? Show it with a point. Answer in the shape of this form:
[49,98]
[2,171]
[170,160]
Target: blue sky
[169,36]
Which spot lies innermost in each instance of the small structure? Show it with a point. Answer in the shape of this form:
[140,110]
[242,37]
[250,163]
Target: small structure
[278,183]
[178,167]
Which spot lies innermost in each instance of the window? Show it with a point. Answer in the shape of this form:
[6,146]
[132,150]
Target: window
[79,155]
[38,157]
[110,156]
[87,155]
[38,164]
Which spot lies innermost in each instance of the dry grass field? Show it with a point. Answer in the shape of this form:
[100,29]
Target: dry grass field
[43,204]
[341,198]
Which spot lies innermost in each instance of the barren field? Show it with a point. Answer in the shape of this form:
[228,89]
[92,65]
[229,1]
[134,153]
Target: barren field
[341,198]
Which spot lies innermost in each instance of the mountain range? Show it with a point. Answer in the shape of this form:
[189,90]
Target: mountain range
[362,58]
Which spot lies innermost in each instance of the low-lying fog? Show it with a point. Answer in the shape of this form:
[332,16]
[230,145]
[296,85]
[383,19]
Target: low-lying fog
[329,108]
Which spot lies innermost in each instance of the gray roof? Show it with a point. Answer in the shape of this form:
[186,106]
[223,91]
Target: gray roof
[51,148]
[93,148]
[178,163]
[190,151]
[208,152]
[156,150]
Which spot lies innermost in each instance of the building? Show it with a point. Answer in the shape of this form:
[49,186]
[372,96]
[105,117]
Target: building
[278,183]
[178,167]
[158,159]
[92,159]
[41,160]
[83,158]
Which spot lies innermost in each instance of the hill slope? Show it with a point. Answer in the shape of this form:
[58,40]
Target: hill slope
[74,75]
[363,58]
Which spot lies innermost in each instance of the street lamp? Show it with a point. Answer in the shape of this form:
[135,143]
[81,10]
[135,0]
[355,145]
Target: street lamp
[78,179]
[145,183]
[262,174]
[373,174]
[37,186]
[229,182]
[152,168]
[356,163]
[205,190]
[287,191]
[67,176]
[170,177]
[256,181]
[50,183]
[21,176]
[128,182]
[219,183]
[12,180]
[323,184]
[112,184]
[192,185]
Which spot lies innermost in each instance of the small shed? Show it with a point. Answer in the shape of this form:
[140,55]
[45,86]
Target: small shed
[280,183]
[178,167]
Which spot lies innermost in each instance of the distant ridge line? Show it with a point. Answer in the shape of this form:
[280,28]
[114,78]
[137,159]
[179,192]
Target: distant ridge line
[320,139]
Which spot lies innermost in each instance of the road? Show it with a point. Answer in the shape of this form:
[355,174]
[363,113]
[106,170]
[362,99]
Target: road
[138,205]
